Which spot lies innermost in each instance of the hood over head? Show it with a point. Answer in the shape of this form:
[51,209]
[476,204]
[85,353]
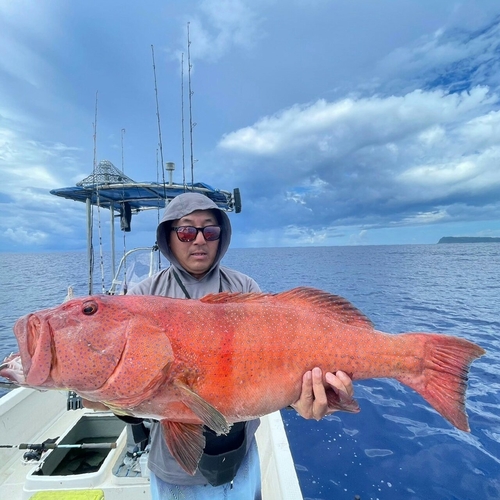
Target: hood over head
[183,205]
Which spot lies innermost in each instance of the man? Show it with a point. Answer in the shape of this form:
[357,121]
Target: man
[194,236]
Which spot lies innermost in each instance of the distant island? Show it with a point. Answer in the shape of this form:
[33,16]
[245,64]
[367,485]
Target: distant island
[468,239]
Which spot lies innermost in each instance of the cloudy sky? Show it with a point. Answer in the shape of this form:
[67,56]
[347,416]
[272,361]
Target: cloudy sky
[342,122]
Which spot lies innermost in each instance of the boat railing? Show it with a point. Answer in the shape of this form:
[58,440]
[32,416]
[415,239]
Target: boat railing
[119,282]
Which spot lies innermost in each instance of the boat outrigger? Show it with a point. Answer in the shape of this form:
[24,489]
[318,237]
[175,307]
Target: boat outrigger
[51,448]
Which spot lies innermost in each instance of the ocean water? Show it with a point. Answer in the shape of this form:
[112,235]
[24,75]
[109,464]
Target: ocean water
[397,447]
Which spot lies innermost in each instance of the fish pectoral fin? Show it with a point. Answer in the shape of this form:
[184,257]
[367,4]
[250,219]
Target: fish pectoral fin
[209,415]
[341,401]
[185,442]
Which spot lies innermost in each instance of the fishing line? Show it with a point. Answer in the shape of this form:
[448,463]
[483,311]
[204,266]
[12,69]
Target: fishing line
[98,203]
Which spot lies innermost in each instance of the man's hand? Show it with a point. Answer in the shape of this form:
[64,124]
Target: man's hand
[314,402]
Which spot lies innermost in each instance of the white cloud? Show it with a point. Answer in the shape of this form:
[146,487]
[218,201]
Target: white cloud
[359,238]
[26,237]
[335,128]
[220,25]
[438,176]
[29,170]
[425,218]
[455,56]
[234,20]
[374,161]
[29,163]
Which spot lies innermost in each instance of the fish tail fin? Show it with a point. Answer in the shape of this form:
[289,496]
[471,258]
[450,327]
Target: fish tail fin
[443,381]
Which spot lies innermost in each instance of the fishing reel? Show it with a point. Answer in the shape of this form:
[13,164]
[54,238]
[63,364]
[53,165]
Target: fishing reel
[35,451]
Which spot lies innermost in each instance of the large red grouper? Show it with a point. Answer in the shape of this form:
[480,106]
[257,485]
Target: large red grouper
[225,358]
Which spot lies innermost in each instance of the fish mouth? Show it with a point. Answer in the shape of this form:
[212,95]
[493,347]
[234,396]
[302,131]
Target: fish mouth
[34,337]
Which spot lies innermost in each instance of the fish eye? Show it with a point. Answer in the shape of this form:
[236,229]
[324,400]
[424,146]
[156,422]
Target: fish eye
[89,308]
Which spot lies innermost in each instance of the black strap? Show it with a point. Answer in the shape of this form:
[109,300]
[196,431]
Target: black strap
[181,284]
[183,288]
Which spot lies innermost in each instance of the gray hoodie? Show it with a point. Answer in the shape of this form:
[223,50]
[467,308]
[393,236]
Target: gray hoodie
[161,462]
[218,277]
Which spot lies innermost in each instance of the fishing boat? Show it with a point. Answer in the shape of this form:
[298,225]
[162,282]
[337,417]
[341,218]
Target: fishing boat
[51,447]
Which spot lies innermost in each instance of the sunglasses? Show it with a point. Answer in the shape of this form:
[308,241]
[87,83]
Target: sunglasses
[190,233]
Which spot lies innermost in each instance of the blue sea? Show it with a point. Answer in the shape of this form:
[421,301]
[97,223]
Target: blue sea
[397,447]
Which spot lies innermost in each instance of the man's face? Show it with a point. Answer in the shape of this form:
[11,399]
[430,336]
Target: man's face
[197,256]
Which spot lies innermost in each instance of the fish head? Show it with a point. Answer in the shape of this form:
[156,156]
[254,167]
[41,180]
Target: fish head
[89,343]
[78,343]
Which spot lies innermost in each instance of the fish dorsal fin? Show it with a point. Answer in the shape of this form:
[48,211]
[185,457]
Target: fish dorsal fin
[338,307]
[335,305]
[185,442]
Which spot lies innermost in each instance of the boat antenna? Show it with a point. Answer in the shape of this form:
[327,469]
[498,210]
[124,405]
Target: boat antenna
[160,144]
[182,124]
[98,202]
[190,93]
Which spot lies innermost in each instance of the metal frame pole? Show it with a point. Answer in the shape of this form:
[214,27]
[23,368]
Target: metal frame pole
[89,245]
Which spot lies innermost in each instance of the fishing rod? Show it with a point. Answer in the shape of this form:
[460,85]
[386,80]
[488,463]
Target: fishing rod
[160,144]
[49,445]
[190,96]
[35,450]
[182,125]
